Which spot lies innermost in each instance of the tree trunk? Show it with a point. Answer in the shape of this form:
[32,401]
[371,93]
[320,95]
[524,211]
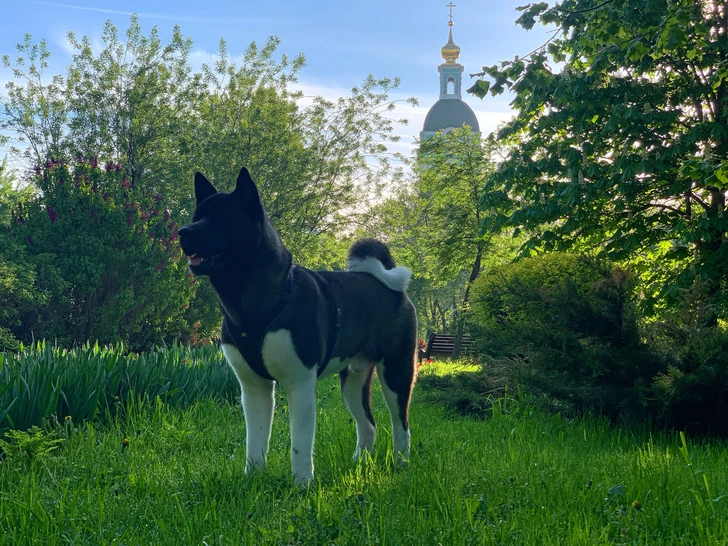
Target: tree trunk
[459,332]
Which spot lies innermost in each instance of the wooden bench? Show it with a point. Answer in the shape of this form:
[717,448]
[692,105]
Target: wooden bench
[442,345]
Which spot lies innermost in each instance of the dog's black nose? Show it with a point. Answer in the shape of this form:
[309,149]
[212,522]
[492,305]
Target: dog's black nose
[184,232]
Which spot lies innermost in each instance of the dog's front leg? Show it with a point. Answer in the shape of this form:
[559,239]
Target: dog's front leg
[258,405]
[302,402]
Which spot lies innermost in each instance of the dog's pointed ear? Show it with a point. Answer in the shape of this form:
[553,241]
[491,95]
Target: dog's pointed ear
[203,188]
[247,192]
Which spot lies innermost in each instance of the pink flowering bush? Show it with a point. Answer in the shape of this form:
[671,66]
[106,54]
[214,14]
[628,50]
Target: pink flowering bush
[107,251]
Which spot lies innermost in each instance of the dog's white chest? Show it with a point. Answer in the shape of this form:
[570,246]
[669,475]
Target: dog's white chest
[281,359]
[283,362]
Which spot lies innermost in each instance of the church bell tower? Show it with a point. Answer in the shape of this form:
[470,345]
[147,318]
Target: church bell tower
[450,111]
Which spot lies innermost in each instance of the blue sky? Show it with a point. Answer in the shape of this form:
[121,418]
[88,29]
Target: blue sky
[342,41]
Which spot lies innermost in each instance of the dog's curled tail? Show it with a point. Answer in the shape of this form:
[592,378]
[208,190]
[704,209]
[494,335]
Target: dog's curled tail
[373,257]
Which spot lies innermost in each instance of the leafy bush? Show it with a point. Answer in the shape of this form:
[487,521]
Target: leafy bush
[42,380]
[564,326]
[102,258]
[692,392]
[18,293]
[29,445]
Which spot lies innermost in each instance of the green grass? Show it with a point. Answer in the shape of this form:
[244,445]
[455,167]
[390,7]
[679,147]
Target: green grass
[518,477]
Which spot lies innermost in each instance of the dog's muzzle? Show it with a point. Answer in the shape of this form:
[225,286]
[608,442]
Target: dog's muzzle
[191,242]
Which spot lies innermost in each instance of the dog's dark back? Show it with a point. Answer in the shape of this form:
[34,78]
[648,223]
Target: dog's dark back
[384,320]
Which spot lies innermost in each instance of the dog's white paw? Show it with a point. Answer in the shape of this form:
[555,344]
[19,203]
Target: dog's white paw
[401,459]
[303,480]
[361,453]
[253,466]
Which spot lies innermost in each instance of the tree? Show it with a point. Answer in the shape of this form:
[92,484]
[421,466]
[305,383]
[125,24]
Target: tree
[398,220]
[453,168]
[623,146]
[127,102]
[137,101]
[244,115]
[18,294]
[433,223]
[313,165]
[33,112]
[9,194]
[130,102]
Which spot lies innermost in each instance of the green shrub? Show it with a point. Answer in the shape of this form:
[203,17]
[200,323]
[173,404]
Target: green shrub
[104,255]
[19,295]
[564,326]
[692,392]
[29,445]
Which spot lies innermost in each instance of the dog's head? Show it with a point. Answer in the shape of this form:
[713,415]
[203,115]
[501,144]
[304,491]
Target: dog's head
[225,227]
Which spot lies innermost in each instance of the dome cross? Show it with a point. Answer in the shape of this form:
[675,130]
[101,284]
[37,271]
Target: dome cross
[450,5]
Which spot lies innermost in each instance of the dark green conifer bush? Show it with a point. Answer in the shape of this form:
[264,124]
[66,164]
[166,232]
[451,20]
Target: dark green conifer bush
[565,327]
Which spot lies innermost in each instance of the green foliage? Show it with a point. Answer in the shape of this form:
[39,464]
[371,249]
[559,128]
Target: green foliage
[437,304]
[433,223]
[397,220]
[7,340]
[690,393]
[242,115]
[565,327]
[91,382]
[106,250]
[34,109]
[620,140]
[130,100]
[453,168]
[312,165]
[19,294]
[9,194]
[137,101]
[202,317]
[30,445]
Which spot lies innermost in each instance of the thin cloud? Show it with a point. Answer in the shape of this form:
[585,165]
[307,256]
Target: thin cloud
[178,18]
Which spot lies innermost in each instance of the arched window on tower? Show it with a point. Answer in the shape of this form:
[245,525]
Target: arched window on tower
[450,85]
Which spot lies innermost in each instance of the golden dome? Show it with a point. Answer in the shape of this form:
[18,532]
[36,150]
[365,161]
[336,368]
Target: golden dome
[450,52]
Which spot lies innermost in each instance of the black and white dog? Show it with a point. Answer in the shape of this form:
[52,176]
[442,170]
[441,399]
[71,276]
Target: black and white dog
[285,323]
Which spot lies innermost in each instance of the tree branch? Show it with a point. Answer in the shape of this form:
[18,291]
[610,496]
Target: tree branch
[585,10]
[656,205]
[695,197]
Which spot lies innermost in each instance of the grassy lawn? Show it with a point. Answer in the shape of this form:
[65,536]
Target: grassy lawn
[175,475]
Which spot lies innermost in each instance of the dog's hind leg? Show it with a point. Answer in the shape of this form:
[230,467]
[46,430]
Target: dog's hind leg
[356,387]
[397,377]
